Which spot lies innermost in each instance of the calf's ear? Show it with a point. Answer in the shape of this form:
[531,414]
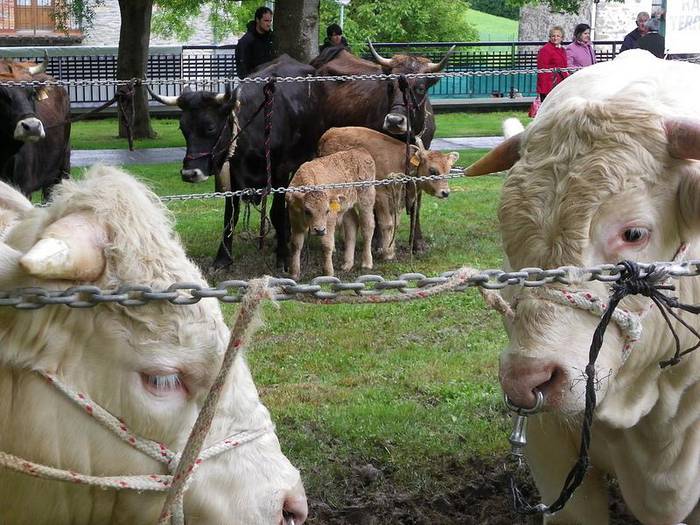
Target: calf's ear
[454,156]
[72,248]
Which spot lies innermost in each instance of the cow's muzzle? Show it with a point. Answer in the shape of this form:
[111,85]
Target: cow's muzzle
[29,129]
[193,175]
[395,123]
[318,231]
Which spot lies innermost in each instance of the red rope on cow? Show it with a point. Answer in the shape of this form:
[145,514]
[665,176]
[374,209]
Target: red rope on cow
[269,92]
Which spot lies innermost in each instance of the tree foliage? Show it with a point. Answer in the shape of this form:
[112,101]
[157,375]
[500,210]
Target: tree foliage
[565,6]
[400,21]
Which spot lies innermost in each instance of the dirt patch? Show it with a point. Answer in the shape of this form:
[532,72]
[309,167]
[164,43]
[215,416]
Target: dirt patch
[481,497]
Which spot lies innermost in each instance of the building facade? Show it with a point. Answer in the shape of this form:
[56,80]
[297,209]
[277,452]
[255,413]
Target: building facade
[33,23]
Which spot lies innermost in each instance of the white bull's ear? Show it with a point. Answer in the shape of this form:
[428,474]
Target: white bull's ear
[683,136]
[12,205]
[72,248]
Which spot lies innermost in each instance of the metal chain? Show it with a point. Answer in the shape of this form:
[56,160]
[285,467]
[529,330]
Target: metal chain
[455,173]
[324,287]
[264,80]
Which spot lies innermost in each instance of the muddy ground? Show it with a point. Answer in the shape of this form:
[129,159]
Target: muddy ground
[481,499]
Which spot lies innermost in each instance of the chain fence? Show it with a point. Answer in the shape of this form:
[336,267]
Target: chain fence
[329,289]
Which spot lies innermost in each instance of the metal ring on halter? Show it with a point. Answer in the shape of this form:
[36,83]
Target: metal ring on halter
[539,403]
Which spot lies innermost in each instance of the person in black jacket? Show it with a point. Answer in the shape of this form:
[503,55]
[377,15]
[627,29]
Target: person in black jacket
[653,41]
[256,46]
[334,37]
[632,38]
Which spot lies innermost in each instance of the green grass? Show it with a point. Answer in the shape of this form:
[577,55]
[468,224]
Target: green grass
[475,124]
[492,28]
[410,388]
[102,134]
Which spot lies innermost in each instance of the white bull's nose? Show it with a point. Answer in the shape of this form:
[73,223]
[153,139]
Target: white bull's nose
[29,130]
[521,377]
[295,509]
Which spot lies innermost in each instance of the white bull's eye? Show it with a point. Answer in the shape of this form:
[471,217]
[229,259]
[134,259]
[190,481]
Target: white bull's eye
[635,235]
[163,384]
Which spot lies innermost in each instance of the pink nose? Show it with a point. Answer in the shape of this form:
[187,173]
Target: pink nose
[521,376]
[295,509]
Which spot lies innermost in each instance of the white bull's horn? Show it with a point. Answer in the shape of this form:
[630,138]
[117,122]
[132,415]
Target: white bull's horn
[435,68]
[683,137]
[163,99]
[380,59]
[72,248]
[40,67]
[419,143]
[500,158]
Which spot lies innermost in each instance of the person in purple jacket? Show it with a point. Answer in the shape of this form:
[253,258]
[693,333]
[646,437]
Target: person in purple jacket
[580,53]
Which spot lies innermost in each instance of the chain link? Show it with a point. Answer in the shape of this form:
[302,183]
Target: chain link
[324,287]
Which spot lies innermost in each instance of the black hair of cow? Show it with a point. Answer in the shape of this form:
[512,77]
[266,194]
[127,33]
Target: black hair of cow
[326,56]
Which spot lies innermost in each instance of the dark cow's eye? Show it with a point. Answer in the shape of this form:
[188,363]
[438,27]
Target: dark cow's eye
[433,171]
[635,235]
[420,90]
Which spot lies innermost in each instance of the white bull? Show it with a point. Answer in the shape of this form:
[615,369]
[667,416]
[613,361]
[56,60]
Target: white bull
[605,173]
[152,366]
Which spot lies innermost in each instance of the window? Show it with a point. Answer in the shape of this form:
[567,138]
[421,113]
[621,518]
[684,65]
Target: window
[35,15]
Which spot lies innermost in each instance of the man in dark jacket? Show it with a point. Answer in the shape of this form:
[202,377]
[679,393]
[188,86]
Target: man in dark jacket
[334,37]
[256,46]
[633,37]
[653,41]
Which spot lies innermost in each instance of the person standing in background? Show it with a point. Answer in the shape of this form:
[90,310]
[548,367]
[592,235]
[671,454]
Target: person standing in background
[631,39]
[653,41]
[334,37]
[255,47]
[580,53]
[551,56]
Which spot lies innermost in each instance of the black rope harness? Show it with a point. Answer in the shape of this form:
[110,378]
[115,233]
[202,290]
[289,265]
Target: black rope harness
[630,283]
[269,92]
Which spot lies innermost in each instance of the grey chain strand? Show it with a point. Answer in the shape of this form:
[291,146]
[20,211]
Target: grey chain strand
[324,287]
[455,173]
[264,80]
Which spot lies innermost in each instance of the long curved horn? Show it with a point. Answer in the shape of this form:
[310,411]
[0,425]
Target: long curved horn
[419,143]
[40,67]
[380,59]
[500,158]
[167,100]
[436,68]
[71,248]
[683,137]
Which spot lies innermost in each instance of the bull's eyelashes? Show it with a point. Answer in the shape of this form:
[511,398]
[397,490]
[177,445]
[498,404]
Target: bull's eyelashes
[636,236]
[163,384]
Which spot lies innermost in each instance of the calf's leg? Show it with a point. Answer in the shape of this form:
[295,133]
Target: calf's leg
[350,222]
[295,259]
[328,244]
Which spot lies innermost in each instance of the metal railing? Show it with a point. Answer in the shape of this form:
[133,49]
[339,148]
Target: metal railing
[216,62]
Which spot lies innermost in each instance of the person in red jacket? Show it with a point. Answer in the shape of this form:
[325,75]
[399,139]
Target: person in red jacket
[551,55]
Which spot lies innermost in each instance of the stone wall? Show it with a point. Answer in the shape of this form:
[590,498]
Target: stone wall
[613,20]
[105,31]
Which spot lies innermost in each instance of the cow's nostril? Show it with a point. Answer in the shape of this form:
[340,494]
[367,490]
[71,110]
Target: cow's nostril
[445,194]
[295,509]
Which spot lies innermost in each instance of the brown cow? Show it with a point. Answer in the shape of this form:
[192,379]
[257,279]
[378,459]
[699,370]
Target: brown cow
[320,211]
[389,155]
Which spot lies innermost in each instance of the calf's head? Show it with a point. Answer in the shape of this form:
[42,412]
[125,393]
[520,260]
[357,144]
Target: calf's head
[594,182]
[313,208]
[151,366]
[433,163]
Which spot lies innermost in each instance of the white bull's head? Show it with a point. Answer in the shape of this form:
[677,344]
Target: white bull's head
[151,366]
[594,182]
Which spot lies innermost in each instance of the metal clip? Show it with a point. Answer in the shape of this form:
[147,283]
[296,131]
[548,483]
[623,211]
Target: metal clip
[518,438]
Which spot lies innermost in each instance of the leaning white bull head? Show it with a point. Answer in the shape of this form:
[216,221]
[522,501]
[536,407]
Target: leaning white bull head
[606,172]
[151,366]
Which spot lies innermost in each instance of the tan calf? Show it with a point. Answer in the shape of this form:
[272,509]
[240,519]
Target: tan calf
[389,156]
[320,211]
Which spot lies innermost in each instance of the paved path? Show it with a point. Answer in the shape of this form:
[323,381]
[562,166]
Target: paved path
[160,155]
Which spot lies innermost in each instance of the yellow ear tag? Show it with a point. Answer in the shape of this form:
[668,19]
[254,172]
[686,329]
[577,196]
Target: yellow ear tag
[335,206]
[41,94]
[415,161]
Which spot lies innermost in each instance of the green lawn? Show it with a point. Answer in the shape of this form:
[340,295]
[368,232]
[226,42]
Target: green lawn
[102,134]
[492,28]
[409,388]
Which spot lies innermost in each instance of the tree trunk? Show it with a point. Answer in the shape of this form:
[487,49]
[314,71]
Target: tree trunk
[296,28]
[134,37]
